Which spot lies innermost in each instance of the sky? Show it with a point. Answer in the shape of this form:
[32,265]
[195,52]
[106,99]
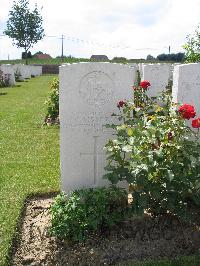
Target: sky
[127,28]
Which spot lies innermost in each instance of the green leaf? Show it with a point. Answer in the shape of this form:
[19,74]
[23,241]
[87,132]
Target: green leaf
[130,132]
[156,194]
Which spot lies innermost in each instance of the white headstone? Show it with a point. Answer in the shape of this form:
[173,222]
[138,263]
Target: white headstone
[135,68]
[186,85]
[35,70]
[8,70]
[24,71]
[158,75]
[171,72]
[89,93]
[18,71]
[141,67]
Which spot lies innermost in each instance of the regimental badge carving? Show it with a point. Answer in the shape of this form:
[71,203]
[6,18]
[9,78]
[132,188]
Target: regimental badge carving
[96,88]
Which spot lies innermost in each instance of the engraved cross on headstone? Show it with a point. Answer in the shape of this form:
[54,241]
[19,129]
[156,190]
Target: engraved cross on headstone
[95,154]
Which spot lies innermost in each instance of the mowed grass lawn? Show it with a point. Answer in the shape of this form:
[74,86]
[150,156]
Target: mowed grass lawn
[29,152]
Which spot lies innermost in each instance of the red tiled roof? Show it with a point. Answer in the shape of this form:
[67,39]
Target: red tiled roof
[42,56]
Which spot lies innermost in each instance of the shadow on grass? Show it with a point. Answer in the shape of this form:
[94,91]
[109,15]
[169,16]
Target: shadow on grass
[3,93]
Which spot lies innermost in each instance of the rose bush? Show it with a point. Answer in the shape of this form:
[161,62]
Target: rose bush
[52,104]
[156,153]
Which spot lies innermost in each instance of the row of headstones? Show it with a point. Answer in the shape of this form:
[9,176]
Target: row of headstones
[169,66]
[20,71]
[160,75]
[89,93]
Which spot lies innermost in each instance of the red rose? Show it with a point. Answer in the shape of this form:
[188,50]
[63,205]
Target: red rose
[121,104]
[187,111]
[196,123]
[145,84]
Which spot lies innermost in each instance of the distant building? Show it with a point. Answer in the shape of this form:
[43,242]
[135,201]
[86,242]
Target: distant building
[42,56]
[99,58]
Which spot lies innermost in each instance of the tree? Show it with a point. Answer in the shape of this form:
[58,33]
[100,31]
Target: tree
[192,47]
[119,58]
[162,57]
[179,57]
[24,26]
[150,57]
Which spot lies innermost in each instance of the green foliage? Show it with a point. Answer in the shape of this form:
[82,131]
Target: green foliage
[88,211]
[24,26]
[17,75]
[192,47]
[52,103]
[150,57]
[68,59]
[50,61]
[120,59]
[156,153]
[179,57]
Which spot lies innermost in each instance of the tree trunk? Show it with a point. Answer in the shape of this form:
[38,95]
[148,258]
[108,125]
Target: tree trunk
[26,57]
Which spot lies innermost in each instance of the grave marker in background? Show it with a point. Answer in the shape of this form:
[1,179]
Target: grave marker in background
[8,70]
[35,70]
[186,85]
[23,70]
[158,75]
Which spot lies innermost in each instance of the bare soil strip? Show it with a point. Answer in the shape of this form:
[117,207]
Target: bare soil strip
[136,239]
